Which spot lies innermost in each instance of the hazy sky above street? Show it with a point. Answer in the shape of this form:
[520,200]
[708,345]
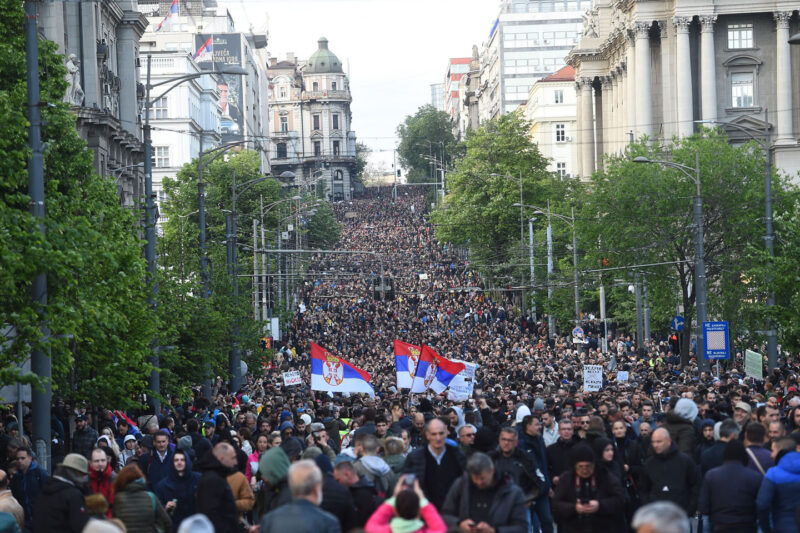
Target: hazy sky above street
[393,49]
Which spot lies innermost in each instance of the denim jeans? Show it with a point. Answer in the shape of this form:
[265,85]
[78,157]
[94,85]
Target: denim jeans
[542,518]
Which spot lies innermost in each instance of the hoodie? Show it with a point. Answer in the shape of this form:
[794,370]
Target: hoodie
[181,488]
[378,472]
[214,497]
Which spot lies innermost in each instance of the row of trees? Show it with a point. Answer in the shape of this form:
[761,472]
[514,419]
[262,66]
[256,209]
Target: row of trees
[101,328]
[627,215]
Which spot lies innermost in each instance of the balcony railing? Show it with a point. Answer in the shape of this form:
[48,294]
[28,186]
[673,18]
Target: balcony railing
[327,95]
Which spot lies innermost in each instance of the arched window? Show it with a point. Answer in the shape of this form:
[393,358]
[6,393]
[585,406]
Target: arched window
[338,175]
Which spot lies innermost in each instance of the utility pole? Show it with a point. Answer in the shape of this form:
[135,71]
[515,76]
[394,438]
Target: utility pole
[255,270]
[637,290]
[533,273]
[264,258]
[40,361]
[646,310]
[551,321]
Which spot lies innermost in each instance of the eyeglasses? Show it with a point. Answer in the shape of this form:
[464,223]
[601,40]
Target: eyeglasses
[584,422]
[468,435]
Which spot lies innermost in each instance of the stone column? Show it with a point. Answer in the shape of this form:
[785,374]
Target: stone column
[708,68]
[577,145]
[644,100]
[587,126]
[683,78]
[630,97]
[616,126]
[604,141]
[667,96]
[783,85]
[129,32]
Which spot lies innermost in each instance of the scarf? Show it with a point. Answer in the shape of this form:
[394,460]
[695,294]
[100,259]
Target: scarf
[100,483]
[406,525]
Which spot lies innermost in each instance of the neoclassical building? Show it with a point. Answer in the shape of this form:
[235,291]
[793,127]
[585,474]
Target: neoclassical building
[312,136]
[658,67]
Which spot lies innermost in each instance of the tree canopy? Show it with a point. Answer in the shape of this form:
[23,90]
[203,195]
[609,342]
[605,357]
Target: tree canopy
[426,136]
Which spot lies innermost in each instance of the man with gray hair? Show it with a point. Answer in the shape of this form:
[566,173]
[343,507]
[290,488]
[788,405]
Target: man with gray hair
[303,514]
[661,517]
[481,501]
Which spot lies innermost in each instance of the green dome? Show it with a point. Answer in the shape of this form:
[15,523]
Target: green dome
[323,60]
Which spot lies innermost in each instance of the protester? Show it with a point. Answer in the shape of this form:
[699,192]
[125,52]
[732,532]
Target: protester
[60,507]
[214,497]
[409,511]
[102,477]
[728,494]
[27,483]
[137,507]
[779,494]
[670,475]
[436,465]
[177,491]
[9,504]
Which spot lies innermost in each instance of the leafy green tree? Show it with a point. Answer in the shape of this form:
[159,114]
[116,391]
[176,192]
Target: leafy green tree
[323,230]
[97,309]
[425,136]
[362,158]
[478,210]
[638,214]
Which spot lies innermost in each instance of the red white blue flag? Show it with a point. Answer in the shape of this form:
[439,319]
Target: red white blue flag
[406,357]
[434,371]
[205,52]
[173,10]
[333,374]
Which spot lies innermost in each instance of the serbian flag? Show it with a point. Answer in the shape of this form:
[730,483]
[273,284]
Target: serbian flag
[117,415]
[204,53]
[434,371]
[406,357]
[173,10]
[333,374]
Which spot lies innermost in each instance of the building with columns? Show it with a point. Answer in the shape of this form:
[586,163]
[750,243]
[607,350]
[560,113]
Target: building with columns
[551,111]
[312,124]
[656,68]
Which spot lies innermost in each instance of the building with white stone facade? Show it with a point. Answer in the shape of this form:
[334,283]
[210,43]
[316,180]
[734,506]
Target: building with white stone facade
[468,115]
[551,111]
[528,41]
[656,68]
[100,40]
[312,132]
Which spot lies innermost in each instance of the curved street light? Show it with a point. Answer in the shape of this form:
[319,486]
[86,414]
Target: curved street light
[699,250]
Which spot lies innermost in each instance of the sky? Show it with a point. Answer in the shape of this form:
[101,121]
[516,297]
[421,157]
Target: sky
[393,50]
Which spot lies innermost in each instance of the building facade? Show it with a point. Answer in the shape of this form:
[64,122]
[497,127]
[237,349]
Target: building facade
[312,123]
[528,41]
[552,113]
[437,96]
[100,41]
[457,67]
[468,116]
[657,68]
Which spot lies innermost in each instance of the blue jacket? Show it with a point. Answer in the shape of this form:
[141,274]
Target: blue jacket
[779,495]
[728,494]
[26,488]
[181,488]
[154,468]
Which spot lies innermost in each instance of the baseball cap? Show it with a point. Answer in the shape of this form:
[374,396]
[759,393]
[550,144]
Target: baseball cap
[744,407]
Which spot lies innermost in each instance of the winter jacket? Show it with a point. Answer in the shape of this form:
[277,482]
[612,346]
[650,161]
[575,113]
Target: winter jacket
[60,508]
[520,468]
[682,432]
[671,476]
[242,493]
[536,447]
[396,463]
[558,457]
[435,480]
[139,509]
[10,505]
[712,457]
[214,497]
[507,513]
[154,468]
[84,440]
[252,465]
[727,502]
[605,488]
[763,456]
[383,520]
[8,524]
[376,470]
[779,496]
[181,488]
[299,516]
[26,487]
[337,500]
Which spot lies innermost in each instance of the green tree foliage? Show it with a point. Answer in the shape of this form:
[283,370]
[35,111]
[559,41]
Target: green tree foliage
[323,230]
[424,136]
[91,253]
[638,213]
[478,210]
[362,158]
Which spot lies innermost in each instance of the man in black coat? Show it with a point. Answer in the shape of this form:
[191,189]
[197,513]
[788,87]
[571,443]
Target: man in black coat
[214,496]
[336,498]
[558,453]
[728,495]
[480,499]
[669,474]
[60,506]
[436,465]
[712,457]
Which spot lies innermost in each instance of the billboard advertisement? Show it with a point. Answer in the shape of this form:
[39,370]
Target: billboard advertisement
[226,49]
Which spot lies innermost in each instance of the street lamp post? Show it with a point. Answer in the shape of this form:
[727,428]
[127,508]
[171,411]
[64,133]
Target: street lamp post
[521,219]
[150,228]
[769,237]
[699,261]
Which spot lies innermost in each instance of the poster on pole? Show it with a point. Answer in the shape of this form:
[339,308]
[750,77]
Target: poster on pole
[622,376]
[462,385]
[592,378]
[292,378]
[754,364]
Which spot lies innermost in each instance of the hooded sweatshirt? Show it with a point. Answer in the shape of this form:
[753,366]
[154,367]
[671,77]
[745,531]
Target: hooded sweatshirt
[378,472]
[179,487]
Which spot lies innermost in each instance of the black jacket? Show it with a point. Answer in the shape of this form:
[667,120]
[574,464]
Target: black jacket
[558,457]
[671,476]
[59,508]
[507,513]
[420,462]
[608,493]
[712,457]
[214,497]
[337,500]
[728,495]
[519,468]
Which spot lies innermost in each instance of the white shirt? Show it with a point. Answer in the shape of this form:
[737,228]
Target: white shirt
[550,435]
[438,457]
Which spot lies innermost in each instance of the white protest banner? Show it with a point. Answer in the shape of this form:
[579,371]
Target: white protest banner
[292,378]
[462,385]
[754,364]
[622,376]
[592,378]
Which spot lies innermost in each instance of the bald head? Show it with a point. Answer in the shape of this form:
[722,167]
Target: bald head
[305,481]
[225,454]
[661,441]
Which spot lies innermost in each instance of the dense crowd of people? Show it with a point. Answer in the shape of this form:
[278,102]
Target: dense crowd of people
[667,449]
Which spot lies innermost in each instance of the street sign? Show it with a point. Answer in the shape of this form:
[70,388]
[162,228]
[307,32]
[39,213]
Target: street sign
[715,340]
[577,332]
[678,323]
